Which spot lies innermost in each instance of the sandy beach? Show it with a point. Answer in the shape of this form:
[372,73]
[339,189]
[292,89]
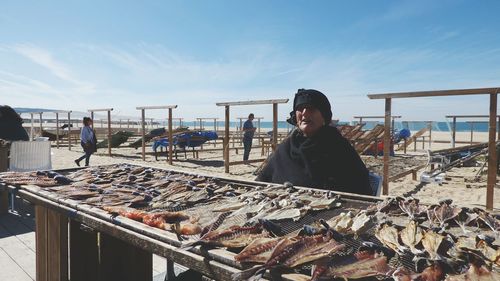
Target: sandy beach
[459,183]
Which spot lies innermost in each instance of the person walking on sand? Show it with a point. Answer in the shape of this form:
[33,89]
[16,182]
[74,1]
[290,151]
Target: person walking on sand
[88,141]
[249,130]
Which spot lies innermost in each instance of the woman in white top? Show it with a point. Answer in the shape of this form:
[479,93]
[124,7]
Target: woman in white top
[88,141]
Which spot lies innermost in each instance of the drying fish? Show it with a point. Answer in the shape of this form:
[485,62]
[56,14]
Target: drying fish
[162,219]
[445,212]
[412,208]
[477,271]
[489,220]
[388,234]
[367,262]
[259,251]
[191,228]
[341,223]
[234,237]
[388,205]
[215,223]
[431,242]
[362,222]
[464,218]
[486,247]
[292,252]
[130,213]
[411,236]
[434,272]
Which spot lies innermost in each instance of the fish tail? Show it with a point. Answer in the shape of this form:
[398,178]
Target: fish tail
[251,274]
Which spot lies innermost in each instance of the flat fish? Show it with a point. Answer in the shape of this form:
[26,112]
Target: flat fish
[368,267]
[412,208]
[431,242]
[445,212]
[341,223]
[292,252]
[259,251]
[389,236]
[234,237]
[362,222]
[130,213]
[475,273]
[411,235]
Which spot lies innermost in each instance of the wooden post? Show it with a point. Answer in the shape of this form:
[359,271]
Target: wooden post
[92,117]
[128,123]
[275,126]
[430,134]
[215,124]
[41,123]
[471,132]
[404,148]
[453,132]
[170,139]
[201,124]
[84,253]
[226,141]
[69,130]
[109,132]
[492,153]
[51,245]
[387,143]
[143,114]
[414,144]
[57,129]
[258,126]
[31,129]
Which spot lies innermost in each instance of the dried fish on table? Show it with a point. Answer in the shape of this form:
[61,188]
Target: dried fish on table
[488,219]
[411,236]
[445,212]
[412,208]
[127,212]
[388,234]
[234,237]
[431,242]
[292,252]
[362,222]
[464,218]
[259,251]
[367,262]
[163,219]
[341,223]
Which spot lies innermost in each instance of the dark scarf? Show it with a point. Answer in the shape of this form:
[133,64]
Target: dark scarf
[312,152]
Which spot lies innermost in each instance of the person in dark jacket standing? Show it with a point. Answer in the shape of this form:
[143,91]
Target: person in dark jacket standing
[88,141]
[249,130]
[315,154]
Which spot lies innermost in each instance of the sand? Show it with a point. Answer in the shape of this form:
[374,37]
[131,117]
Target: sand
[458,184]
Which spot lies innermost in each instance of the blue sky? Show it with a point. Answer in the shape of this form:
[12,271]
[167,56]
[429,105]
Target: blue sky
[76,55]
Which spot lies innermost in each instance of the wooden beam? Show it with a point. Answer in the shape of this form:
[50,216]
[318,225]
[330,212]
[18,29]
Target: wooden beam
[57,129]
[438,93]
[170,139]
[109,132]
[387,143]
[156,107]
[41,123]
[275,126]
[454,131]
[100,109]
[469,116]
[492,153]
[143,133]
[252,102]
[69,130]
[226,141]
[376,117]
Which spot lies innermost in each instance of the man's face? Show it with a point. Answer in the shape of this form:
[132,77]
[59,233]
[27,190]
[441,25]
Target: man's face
[309,119]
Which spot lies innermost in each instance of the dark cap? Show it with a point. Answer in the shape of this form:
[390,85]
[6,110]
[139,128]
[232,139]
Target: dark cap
[314,98]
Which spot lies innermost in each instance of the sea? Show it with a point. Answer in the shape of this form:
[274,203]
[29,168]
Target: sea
[413,126]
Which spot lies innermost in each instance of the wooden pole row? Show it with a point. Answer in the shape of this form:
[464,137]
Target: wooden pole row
[255,102]
[492,155]
[108,110]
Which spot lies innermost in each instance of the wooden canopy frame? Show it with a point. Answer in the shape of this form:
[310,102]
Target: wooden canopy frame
[143,118]
[454,124]
[376,117]
[492,156]
[108,110]
[227,105]
[201,119]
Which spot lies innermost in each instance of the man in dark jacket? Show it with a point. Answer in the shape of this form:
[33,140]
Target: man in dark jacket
[315,154]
